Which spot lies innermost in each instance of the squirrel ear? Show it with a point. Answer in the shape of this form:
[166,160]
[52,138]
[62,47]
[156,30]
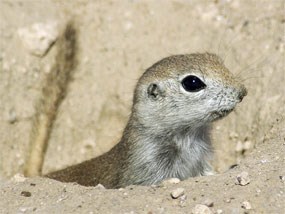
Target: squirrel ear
[154,91]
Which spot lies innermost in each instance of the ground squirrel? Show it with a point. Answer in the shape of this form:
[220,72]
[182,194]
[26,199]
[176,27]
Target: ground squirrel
[168,132]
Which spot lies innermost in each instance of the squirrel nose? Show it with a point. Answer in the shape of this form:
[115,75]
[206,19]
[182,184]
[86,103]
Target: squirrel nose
[242,93]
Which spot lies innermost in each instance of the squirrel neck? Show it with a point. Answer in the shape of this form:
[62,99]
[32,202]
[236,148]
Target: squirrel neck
[157,155]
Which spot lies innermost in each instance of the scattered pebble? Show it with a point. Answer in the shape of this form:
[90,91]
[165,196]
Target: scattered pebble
[26,194]
[177,193]
[39,37]
[18,178]
[209,203]
[233,135]
[247,145]
[239,146]
[228,200]
[282,178]
[246,205]
[219,211]
[201,209]
[182,201]
[12,116]
[243,179]
[62,198]
[170,181]
[99,186]
[27,209]
[243,146]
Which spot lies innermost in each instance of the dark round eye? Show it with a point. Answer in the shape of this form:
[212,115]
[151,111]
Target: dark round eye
[193,84]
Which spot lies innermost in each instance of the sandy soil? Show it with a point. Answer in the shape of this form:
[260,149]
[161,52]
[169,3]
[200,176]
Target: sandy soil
[117,41]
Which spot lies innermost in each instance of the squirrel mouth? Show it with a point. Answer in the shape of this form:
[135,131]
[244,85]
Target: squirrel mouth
[221,113]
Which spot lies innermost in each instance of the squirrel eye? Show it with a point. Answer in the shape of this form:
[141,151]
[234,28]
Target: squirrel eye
[193,84]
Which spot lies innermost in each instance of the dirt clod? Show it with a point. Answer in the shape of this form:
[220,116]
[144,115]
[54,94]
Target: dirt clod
[177,193]
[243,179]
[246,205]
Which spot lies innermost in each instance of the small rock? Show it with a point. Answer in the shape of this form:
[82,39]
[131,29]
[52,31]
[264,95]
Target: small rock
[177,193]
[247,145]
[170,181]
[99,186]
[246,205]
[209,203]
[18,178]
[39,37]
[282,178]
[182,201]
[201,209]
[62,198]
[23,209]
[12,116]
[233,135]
[26,194]
[228,200]
[219,211]
[243,179]
[239,146]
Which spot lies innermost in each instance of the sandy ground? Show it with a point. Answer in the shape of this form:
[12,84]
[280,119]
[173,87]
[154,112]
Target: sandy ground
[118,40]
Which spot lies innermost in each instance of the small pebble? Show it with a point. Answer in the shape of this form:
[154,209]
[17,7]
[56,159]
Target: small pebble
[219,211]
[18,178]
[228,200]
[170,181]
[243,179]
[282,178]
[177,193]
[12,116]
[233,135]
[246,205]
[247,145]
[23,209]
[99,186]
[26,194]
[182,202]
[201,209]
[209,203]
